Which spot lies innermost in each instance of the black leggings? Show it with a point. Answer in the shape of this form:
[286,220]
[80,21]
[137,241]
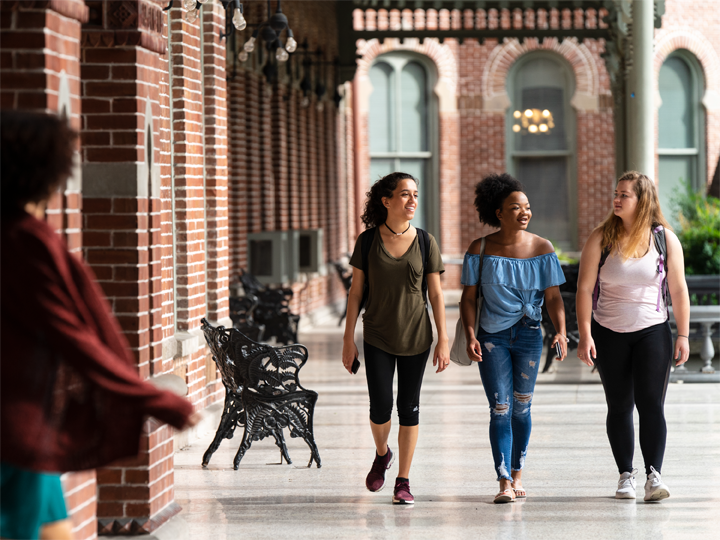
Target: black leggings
[380,371]
[634,368]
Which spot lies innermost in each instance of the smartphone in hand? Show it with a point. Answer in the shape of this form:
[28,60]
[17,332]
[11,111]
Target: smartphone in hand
[558,350]
[355,365]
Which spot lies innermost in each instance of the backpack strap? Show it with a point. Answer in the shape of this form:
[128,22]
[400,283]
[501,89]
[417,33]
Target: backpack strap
[366,240]
[424,241]
[596,292]
[660,241]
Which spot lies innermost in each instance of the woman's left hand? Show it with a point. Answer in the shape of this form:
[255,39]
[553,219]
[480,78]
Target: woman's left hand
[682,350]
[562,340]
[441,357]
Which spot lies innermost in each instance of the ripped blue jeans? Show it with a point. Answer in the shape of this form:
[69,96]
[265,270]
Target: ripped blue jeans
[509,368]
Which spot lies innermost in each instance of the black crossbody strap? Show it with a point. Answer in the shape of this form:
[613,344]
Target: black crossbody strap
[424,241]
[366,240]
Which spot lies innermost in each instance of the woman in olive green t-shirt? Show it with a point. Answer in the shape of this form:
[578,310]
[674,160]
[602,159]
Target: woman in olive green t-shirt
[396,323]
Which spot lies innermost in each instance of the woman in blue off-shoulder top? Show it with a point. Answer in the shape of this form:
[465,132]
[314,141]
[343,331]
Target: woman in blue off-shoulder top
[519,271]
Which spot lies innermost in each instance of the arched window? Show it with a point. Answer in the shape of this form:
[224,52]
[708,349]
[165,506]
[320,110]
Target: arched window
[541,143]
[681,126]
[401,118]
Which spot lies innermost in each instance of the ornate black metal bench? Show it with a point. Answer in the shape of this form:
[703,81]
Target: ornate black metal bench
[263,392]
[345,274]
[568,291]
[241,313]
[273,309]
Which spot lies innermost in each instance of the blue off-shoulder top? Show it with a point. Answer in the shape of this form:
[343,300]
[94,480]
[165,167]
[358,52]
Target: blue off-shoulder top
[511,287]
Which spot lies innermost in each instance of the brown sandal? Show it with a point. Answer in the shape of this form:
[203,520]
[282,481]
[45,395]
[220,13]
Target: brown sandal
[505,496]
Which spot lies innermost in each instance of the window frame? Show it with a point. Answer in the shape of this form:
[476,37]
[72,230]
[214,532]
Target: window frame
[430,185]
[570,153]
[697,92]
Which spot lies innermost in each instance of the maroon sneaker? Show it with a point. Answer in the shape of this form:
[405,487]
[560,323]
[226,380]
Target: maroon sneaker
[375,480]
[402,493]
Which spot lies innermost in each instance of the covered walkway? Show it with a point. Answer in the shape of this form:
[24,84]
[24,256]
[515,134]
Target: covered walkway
[570,474]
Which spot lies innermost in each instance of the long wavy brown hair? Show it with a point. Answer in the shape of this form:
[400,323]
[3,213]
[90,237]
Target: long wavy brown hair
[648,215]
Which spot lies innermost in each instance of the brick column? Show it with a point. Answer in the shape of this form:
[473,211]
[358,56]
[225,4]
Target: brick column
[128,232]
[216,166]
[280,158]
[238,204]
[40,71]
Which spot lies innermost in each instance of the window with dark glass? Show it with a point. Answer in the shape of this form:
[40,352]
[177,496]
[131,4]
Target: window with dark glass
[541,144]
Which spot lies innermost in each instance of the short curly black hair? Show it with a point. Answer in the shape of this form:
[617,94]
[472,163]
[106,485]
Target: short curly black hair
[490,193]
[37,152]
[375,213]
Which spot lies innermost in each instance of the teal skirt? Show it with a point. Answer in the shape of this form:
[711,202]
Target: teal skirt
[30,499]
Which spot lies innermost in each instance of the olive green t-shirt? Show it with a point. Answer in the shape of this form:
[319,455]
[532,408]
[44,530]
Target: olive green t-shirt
[395,318]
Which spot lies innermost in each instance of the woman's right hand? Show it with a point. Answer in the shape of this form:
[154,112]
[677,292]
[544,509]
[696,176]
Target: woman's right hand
[473,350]
[586,351]
[349,354]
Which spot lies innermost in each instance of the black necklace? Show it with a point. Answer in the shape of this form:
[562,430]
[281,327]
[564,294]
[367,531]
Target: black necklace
[397,233]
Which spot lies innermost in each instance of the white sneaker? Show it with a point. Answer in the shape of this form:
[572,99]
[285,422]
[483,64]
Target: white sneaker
[626,485]
[655,490]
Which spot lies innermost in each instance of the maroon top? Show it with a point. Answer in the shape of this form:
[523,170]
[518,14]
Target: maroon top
[70,394]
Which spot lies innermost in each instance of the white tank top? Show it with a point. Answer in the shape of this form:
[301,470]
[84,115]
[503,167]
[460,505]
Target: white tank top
[629,290]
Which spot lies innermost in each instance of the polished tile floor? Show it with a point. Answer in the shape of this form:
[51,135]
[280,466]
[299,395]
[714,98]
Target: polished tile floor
[570,475]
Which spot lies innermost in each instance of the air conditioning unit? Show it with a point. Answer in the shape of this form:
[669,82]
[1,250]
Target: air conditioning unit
[270,258]
[310,251]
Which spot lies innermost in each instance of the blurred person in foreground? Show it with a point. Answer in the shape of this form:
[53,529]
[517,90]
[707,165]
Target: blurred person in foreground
[70,395]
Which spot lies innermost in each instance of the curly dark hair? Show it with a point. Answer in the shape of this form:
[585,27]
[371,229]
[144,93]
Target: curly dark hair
[491,192]
[36,152]
[375,212]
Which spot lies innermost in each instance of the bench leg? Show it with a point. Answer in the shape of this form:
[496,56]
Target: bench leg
[280,442]
[244,445]
[232,411]
[314,454]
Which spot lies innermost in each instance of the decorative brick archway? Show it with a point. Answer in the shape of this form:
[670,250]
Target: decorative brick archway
[502,58]
[441,55]
[669,41]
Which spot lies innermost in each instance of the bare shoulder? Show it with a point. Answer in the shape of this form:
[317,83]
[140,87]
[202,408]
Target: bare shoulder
[474,248]
[594,240]
[541,246]
[672,241]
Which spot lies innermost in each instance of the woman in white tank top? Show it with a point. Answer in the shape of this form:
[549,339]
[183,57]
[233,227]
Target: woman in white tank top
[623,322]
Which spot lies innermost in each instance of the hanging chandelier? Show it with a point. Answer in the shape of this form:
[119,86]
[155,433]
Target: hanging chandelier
[233,13]
[271,31]
[533,121]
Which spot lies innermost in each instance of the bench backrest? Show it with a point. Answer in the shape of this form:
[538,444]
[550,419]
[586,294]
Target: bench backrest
[264,369]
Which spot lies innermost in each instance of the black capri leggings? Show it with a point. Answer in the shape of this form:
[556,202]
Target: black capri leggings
[380,371]
[635,368]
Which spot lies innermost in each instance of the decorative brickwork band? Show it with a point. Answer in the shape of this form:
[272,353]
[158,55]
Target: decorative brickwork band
[126,23]
[440,54]
[136,526]
[72,9]
[503,57]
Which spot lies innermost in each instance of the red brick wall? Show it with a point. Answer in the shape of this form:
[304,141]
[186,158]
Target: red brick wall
[38,42]
[39,47]
[284,153]
[135,243]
